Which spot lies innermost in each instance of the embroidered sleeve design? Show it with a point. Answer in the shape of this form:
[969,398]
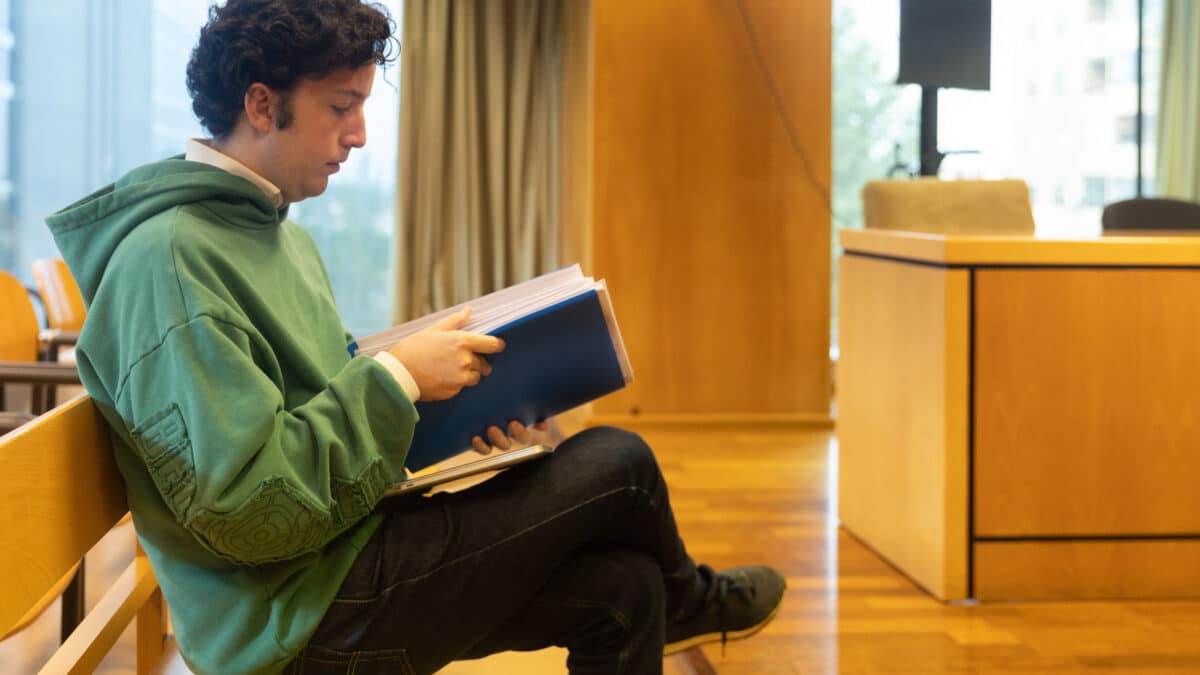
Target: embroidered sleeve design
[163,443]
[276,523]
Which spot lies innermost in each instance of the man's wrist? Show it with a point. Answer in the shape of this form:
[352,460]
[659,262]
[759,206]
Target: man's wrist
[400,373]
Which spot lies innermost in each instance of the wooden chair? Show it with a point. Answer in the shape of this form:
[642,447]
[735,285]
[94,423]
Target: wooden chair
[22,344]
[65,311]
[60,294]
[18,338]
[19,328]
[60,493]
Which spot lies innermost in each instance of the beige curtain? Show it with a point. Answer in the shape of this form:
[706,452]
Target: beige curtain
[479,157]
[1179,102]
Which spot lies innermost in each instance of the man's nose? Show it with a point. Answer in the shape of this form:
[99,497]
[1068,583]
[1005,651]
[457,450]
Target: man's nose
[356,135]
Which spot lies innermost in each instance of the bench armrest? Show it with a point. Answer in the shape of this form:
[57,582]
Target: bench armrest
[38,372]
[51,339]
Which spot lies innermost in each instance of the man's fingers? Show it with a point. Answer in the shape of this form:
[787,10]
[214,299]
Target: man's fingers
[454,321]
[481,447]
[498,438]
[519,432]
[482,344]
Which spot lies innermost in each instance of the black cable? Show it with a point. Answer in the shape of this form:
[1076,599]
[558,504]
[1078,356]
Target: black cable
[777,100]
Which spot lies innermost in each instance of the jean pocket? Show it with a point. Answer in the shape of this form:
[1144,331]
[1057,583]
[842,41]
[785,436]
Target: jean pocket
[315,660]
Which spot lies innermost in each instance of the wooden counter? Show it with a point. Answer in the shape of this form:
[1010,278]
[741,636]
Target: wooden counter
[1019,417]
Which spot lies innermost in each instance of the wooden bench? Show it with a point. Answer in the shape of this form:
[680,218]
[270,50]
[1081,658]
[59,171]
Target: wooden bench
[60,493]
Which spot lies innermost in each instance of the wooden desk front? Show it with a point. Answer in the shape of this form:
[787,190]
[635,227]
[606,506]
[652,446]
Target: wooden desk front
[1020,417]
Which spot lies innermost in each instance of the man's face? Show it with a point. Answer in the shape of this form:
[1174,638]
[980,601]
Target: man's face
[326,122]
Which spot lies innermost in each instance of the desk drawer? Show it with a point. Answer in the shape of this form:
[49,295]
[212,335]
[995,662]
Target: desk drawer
[1046,570]
[1087,402]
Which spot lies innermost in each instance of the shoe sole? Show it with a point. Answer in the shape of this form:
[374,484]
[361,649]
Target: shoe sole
[704,638]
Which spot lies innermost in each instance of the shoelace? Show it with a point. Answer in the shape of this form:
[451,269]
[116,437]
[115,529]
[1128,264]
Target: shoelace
[724,585]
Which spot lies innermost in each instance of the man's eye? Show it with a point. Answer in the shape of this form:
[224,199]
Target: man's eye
[341,110]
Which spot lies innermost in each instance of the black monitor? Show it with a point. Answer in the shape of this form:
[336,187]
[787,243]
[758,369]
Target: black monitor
[946,43]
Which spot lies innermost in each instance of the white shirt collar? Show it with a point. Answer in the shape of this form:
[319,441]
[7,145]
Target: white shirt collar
[201,150]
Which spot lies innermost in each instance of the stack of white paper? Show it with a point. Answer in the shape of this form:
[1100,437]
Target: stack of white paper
[490,312]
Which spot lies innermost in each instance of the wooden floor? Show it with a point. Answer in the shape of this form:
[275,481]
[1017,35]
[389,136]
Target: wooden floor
[745,497]
[772,497]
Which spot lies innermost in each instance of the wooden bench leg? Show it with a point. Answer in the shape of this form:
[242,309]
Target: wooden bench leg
[151,634]
[151,626]
[72,604]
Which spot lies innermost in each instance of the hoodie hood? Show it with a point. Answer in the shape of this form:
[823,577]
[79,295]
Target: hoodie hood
[90,230]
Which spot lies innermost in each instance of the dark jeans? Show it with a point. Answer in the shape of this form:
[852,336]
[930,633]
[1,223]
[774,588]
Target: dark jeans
[578,549]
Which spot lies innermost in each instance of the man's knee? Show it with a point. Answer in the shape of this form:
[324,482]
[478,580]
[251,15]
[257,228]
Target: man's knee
[619,449]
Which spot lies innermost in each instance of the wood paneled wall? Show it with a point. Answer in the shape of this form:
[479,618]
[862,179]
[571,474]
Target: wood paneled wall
[707,170]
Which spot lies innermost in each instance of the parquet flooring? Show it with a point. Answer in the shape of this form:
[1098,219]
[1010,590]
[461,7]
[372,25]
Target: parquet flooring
[771,497]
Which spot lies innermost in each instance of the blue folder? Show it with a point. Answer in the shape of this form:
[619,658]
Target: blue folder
[555,359]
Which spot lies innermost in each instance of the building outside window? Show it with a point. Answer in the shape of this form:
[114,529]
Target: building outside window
[1094,190]
[1127,129]
[1097,74]
[7,90]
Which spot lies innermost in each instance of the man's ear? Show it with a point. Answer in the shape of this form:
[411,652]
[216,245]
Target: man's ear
[261,106]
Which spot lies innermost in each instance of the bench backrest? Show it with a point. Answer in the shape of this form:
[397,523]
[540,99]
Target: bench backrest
[60,492]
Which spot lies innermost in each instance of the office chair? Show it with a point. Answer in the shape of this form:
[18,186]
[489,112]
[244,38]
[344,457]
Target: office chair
[1151,213]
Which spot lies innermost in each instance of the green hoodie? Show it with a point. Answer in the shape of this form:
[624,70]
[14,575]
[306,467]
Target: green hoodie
[253,446]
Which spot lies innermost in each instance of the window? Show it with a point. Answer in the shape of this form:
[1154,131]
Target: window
[1127,129]
[1035,123]
[73,120]
[1096,76]
[1093,190]
[1124,67]
[7,226]
[875,121]
[7,229]
[1120,188]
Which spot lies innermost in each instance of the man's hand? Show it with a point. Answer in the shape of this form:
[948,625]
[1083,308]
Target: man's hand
[518,436]
[443,359]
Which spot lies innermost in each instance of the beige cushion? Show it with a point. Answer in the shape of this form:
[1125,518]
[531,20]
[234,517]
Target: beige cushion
[948,206]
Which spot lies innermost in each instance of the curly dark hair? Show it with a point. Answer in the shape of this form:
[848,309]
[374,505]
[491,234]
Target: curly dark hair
[276,42]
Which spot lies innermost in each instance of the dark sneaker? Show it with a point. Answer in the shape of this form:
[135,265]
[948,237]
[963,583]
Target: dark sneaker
[741,601]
